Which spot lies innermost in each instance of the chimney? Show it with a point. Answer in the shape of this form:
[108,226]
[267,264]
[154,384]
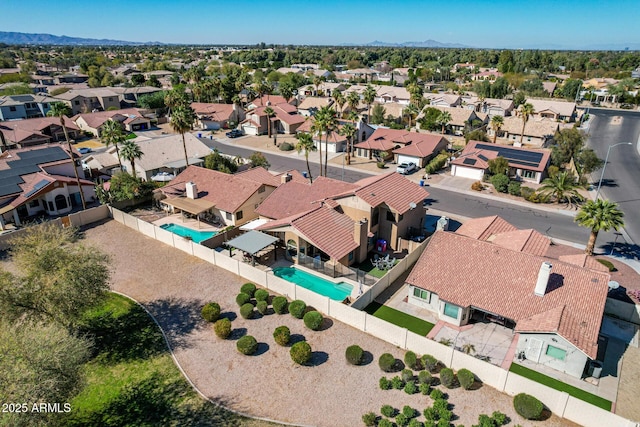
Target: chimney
[192,190]
[360,235]
[543,279]
[285,177]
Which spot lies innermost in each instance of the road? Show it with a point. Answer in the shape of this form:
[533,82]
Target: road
[621,182]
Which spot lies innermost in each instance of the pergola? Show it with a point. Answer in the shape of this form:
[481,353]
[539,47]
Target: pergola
[193,206]
[252,242]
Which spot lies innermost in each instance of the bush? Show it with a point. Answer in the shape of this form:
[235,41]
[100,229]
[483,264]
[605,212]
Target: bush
[514,188]
[381,165]
[354,354]
[387,362]
[285,146]
[424,388]
[262,307]
[401,420]
[385,423]
[430,414]
[526,192]
[500,182]
[313,320]
[246,311]
[527,406]
[415,423]
[410,388]
[447,378]
[300,352]
[279,305]
[297,308]
[409,412]
[436,394]
[424,377]
[242,299]
[445,416]
[388,411]
[247,345]
[384,383]
[411,360]
[607,264]
[436,163]
[261,295]
[499,418]
[282,335]
[397,383]
[430,363]
[249,289]
[211,312]
[222,328]
[466,378]
[477,186]
[407,375]
[440,405]
[369,419]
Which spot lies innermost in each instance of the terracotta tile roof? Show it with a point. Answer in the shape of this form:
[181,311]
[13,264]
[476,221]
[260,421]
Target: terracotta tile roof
[31,180]
[538,127]
[41,123]
[485,227]
[563,108]
[273,99]
[95,120]
[583,260]
[392,189]
[475,159]
[529,241]
[476,149]
[425,147]
[261,175]
[217,112]
[315,102]
[502,281]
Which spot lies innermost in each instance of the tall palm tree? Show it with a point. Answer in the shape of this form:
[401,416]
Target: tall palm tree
[353,100]
[562,186]
[62,110]
[526,110]
[339,99]
[317,81]
[411,111]
[349,131]
[329,123]
[270,113]
[599,215]
[317,128]
[369,96]
[175,97]
[131,151]
[182,121]
[496,124]
[443,119]
[415,94]
[305,142]
[111,134]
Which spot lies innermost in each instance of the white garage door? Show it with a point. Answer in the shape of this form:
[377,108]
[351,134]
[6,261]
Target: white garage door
[407,159]
[249,130]
[463,172]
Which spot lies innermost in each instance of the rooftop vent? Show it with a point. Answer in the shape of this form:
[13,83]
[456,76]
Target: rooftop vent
[192,190]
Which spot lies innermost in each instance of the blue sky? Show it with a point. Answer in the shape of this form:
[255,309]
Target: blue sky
[497,23]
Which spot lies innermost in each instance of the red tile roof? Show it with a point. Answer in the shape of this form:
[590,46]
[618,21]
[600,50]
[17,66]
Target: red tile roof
[502,281]
[471,151]
[483,228]
[583,260]
[95,120]
[392,189]
[425,147]
[213,111]
[529,241]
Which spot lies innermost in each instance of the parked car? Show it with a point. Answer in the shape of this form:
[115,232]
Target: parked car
[84,150]
[234,133]
[406,168]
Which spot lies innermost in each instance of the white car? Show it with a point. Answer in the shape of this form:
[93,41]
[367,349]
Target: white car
[406,168]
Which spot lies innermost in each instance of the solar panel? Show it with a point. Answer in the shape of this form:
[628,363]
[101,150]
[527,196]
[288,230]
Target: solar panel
[7,189]
[483,157]
[513,155]
[25,163]
[469,161]
[37,187]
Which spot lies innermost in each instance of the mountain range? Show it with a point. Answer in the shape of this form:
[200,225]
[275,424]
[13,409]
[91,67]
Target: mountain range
[50,39]
[426,43]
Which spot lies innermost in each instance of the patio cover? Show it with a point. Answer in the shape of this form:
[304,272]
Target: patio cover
[252,242]
[193,206]
[177,164]
[252,225]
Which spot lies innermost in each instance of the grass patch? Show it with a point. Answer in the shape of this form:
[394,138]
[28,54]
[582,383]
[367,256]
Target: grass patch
[399,318]
[560,386]
[371,270]
[131,136]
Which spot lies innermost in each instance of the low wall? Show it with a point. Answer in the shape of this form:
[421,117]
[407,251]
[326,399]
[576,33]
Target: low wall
[588,415]
[623,310]
[220,238]
[489,374]
[89,216]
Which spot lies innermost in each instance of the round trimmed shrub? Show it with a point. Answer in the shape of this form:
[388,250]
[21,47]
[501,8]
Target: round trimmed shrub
[430,363]
[397,383]
[249,289]
[297,308]
[436,394]
[369,419]
[222,328]
[282,335]
[500,182]
[262,307]
[354,354]
[384,383]
[424,388]
[466,378]
[384,422]
[211,311]
[246,311]
[279,305]
[242,298]
[247,345]
[402,420]
[300,352]
[424,377]
[410,388]
[409,412]
[528,406]
[387,362]
[514,188]
[261,295]
[388,411]
[285,146]
[313,320]
[447,378]
[411,360]
[415,423]
[407,375]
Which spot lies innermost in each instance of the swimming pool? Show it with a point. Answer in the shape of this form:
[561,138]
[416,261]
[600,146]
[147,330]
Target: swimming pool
[335,291]
[195,235]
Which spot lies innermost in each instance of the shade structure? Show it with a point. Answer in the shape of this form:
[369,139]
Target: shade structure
[193,206]
[252,242]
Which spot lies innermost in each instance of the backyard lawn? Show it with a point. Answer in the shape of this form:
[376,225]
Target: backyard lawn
[399,318]
[370,269]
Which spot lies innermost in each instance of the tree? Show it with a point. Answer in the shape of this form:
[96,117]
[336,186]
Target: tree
[416,96]
[62,110]
[218,162]
[131,151]
[369,96]
[570,89]
[111,134]
[496,124]
[588,162]
[599,215]
[568,143]
[258,159]
[562,186]
[137,79]
[412,112]
[353,100]
[306,144]
[377,116]
[339,99]
[430,119]
[153,81]
[328,123]
[498,165]
[269,113]
[526,110]
[349,131]
[444,119]
[182,119]
[286,90]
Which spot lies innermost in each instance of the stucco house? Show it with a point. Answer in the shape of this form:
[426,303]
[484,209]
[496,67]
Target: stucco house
[36,131]
[88,100]
[131,120]
[285,119]
[564,111]
[15,107]
[213,116]
[310,105]
[422,149]
[537,131]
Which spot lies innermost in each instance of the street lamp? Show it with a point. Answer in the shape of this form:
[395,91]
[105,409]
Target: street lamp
[605,164]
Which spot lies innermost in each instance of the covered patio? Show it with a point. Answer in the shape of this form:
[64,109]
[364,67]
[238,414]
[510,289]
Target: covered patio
[195,207]
[252,242]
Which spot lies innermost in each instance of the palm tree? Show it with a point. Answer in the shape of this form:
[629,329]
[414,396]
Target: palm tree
[562,186]
[317,128]
[369,96]
[329,123]
[443,119]
[496,125]
[182,120]
[317,81]
[599,215]
[353,100]
[270,113]
[62,110]
[415,94]
[111,133]
[305,142]
[339,100]
[175,98]
[131,151]
[349,131]
[468,348]
[526,110]
[411,111]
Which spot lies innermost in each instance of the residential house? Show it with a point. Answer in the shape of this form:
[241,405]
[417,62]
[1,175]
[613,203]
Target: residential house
[311,104]
[129,96]
[394,110]
[538,131]
[131,120]
[553,109]
[461,118]
[15,107]
[266,99]
[487,74]
[490,106]
[37,131]
[443,99]
[285,120]
[337,142]
[323,89]
[461,66]
[285,70]
[70,78]
[421,149]
[524,164]
[385,94]
[211,116]
[549,87]
[88,100]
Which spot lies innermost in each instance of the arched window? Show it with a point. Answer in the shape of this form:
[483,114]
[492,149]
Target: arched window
[61,202]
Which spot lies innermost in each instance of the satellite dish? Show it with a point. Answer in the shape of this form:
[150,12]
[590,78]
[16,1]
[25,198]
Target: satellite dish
[412,205]
[613,285]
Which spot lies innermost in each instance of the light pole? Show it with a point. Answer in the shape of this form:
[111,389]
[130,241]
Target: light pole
[605,165]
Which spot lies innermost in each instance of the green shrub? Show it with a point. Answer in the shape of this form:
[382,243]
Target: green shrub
[211,312]
[388,411]
[222,328]
[415,423]
[407,375]
[249,289]
[440,405]
[447,378]
[443,423]
[261,295]
[430,363]
[300,352]
[297,308]
[445,416]
[436,394]
[279,305]
[466,378]
[424,388]
[607,264]
[424,377]
[526,192]
[477,186]
[384,383]
[528,406]
[385,423]
[282,335]
[436,163]
[412,361]
[262,307]
[409,412]
[514,188]
[247,345]
[401,420]
[242,299]
[410,388]
[499,418]
[246,311]
[397,383]
[369,419]
[285,146]
[381,165]
[313,320]
[354,354]
[387,362]
[430,414]
[500,182]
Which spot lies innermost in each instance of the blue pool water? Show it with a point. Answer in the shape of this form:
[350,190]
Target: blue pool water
[195,235]
[335,291]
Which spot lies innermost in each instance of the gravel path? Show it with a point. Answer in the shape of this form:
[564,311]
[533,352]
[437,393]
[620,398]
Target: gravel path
[174,286]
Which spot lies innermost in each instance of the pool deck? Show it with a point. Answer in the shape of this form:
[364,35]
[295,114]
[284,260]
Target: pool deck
[186,222]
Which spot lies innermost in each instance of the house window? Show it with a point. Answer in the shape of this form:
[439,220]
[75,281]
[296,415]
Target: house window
[351,256]
[375,217]
[400,217]
[76,102]
[556,353]
[391,217]
[528,174]
[34,204]
[261,189]
[228,216]
[12,108]
[45,105]
[422,294]
[451,310]
[50,206]
[239,215]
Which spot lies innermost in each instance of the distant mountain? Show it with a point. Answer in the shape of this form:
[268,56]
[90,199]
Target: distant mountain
[426,43]
[50,39]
